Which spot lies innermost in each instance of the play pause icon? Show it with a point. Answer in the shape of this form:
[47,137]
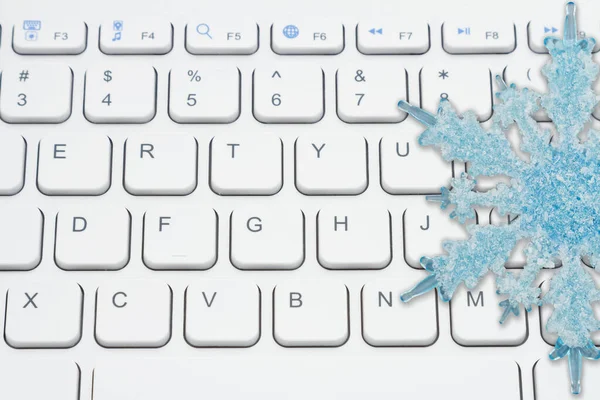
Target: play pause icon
[465,31]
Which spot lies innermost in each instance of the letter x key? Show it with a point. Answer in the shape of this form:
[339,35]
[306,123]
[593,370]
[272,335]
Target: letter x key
[30,300]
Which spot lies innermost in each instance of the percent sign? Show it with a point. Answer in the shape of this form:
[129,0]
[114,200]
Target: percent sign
[194,77]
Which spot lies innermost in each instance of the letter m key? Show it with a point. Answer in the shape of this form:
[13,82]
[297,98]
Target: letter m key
[474,301]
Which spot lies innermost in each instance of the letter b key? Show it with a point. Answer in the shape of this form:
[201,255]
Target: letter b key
[310,313]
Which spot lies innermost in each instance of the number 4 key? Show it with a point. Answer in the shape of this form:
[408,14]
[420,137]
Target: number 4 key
[126,94]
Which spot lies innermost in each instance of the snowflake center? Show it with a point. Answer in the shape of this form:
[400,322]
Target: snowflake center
[563,198]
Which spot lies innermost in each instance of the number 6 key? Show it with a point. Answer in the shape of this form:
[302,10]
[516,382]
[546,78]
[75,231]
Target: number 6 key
[36,94]
[290,94]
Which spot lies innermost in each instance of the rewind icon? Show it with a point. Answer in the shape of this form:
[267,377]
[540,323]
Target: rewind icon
[374,31]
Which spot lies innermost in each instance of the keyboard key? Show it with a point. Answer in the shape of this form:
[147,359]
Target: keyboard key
[246,165]
[141,36]
[425,228]
[21,235]
[220,313]
[386,321]
[310,314]
[157,164]
[226,37]
[370,93]
[408,168]
[546,311]
[89,238]
[308,37]
[354,238]
[539,29]
[204,94]
[391,36]
[290,94]
[475,314]
[50,37]
[177,237]
[330,165]
[551,380]
[324,375]
[33,379]
[133,314]
[479,36]
[38,93]
[44,315]
[267,238]
[468,88]
[74,164]
[125,94]
[529,75]
[517,257]
[13,151]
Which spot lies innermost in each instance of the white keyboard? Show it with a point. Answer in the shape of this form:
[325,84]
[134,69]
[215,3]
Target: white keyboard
[221,200]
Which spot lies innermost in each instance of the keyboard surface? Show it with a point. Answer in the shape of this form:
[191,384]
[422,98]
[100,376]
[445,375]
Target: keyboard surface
[221,200]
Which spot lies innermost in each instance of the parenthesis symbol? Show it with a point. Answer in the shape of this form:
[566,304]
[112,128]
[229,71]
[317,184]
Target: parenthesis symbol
[529,77]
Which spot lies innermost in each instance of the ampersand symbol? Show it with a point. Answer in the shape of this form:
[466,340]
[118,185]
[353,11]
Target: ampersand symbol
[359,76]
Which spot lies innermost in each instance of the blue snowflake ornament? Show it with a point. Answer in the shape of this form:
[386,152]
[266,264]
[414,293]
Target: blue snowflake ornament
[555,194]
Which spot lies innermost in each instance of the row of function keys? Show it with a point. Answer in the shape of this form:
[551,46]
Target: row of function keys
[154,36]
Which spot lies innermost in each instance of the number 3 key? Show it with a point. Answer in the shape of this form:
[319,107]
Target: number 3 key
[36,94]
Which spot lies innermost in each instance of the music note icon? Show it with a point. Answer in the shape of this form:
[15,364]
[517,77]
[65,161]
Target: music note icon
[117,37]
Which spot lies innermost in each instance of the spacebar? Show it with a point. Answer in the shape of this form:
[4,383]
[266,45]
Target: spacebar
[262,378]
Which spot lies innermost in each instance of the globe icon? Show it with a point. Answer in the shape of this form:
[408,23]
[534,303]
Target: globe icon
[291,31]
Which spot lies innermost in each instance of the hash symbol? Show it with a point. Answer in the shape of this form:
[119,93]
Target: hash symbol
[24,75]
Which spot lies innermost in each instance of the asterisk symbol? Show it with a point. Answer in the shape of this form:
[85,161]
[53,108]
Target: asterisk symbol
[443,74]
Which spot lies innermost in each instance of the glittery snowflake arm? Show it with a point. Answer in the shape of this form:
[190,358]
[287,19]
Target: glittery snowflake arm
[517,106]
[488,248]
[464,198]
[572,292]
[520,288]
[463,139]
[571,99]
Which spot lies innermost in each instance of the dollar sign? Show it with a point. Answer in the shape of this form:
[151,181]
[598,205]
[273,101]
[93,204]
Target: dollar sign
[107,76]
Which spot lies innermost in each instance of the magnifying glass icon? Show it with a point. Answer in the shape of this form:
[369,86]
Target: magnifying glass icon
[203,29]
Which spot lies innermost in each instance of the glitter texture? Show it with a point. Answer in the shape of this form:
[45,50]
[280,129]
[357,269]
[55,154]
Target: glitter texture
[555,196]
